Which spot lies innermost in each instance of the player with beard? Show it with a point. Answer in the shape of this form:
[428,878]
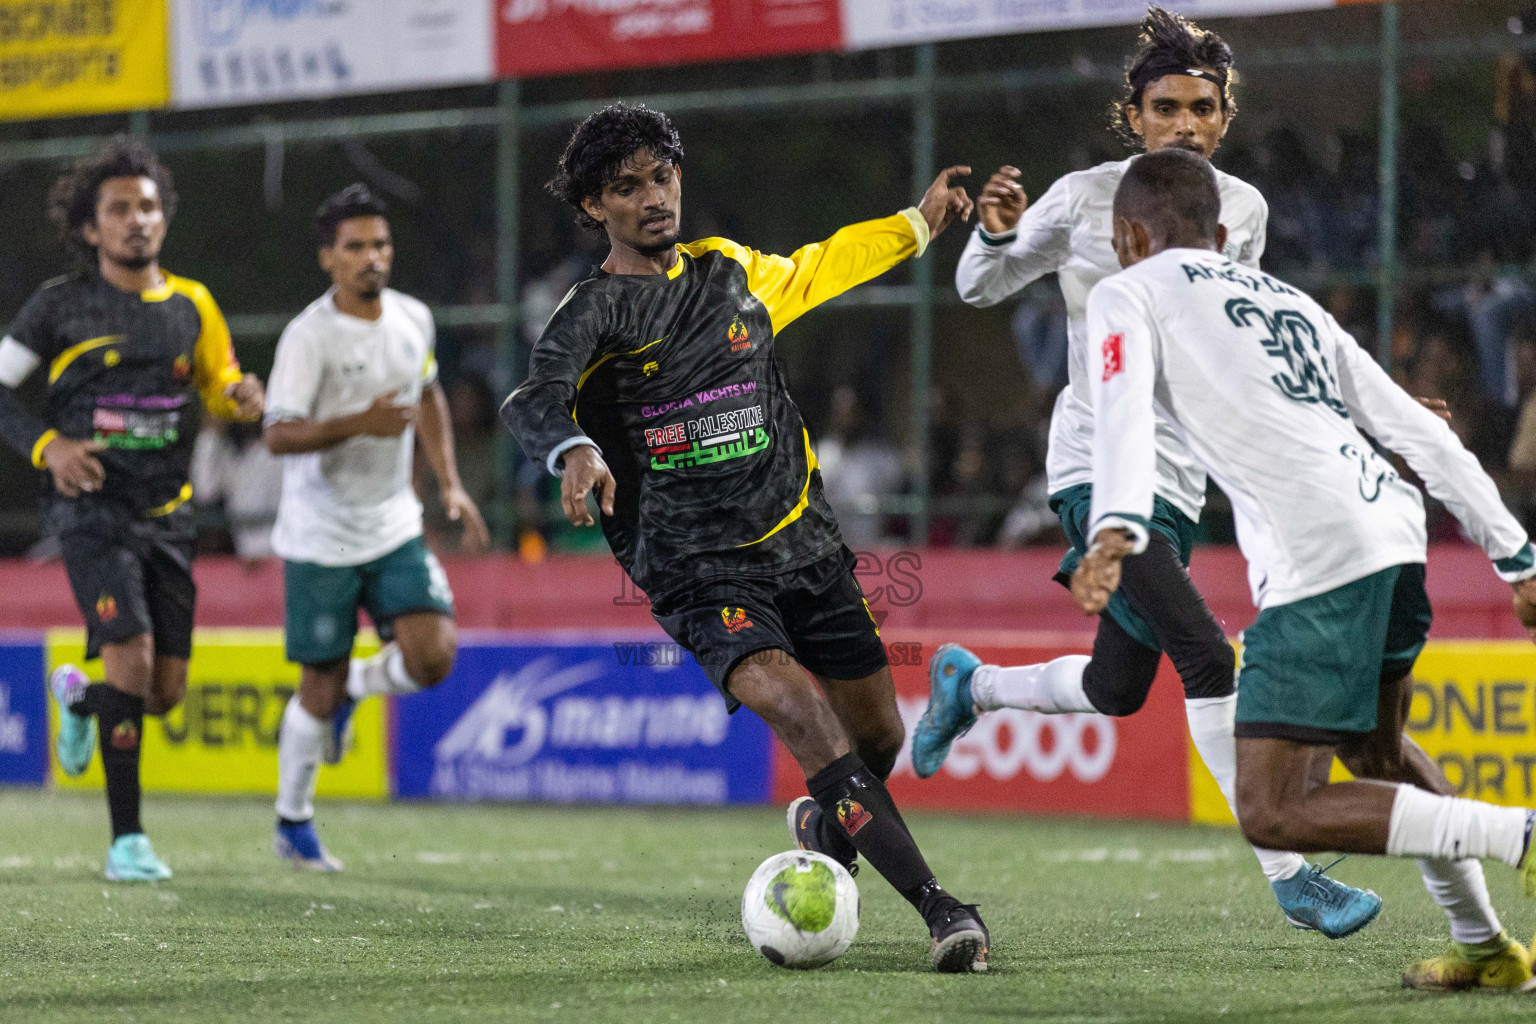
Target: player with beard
[1178,95]
[353,384]
[129,349]
[654,387]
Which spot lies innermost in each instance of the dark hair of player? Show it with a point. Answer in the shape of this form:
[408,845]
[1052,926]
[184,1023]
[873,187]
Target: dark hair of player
[1172,44]
[605,142]
[72,199]
[357,200]
[1173,192]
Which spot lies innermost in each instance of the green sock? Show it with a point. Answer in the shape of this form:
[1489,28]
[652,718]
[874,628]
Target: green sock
[1478,951]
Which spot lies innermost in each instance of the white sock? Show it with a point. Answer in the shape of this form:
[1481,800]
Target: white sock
[1055,687]
[1460,889]
[1429,825]
[381,674]
[1211,724]
[298,761]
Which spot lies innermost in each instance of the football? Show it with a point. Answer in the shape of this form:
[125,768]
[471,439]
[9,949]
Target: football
[801,909]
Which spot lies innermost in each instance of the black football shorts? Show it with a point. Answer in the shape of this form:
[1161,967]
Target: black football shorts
[134,577]
[817,614]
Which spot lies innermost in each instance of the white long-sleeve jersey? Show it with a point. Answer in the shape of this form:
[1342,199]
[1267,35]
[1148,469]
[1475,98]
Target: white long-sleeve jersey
[1271,396]
[1068,230]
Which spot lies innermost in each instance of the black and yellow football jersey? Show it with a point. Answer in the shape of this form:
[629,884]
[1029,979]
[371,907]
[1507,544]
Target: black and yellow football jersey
[673,377]
[125,368]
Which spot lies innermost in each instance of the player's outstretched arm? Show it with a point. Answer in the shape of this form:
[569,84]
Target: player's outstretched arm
[435,428]
[791,285]
[1017,242]
[1450,473]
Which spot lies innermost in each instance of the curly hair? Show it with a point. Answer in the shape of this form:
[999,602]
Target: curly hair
[72,199]
[1171,43]
[604,143]
[357,200]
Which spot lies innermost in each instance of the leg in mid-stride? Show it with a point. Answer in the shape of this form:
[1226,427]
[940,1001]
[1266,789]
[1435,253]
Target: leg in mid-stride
[760,642]
[1156,609]
[136,593]
[1332,675]
[407,597]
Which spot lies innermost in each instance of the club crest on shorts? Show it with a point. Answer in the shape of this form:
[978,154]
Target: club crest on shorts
[125,736]
[106,607]
[852,816]
[735,619]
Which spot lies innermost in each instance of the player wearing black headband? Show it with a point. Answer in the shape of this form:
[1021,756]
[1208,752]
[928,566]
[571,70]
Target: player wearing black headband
[1178,94]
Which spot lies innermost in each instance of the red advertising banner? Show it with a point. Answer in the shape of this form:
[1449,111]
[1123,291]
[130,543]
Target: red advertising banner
[548,37]
[1022,761]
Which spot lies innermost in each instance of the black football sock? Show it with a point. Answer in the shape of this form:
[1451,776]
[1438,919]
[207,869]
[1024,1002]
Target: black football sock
[856,803]
[90,701]
[120,722]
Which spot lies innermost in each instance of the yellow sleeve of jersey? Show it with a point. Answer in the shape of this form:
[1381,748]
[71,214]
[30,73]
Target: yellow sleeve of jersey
[214,366]
[791,285]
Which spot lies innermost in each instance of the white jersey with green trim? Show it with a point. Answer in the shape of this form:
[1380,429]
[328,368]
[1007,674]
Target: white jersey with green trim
[1068,230]
[354,501]
[1271,395]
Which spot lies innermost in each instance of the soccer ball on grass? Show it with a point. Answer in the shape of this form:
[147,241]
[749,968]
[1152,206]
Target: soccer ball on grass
[801,909]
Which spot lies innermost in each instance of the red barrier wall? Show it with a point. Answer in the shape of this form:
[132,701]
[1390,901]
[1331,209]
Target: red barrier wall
[930,589]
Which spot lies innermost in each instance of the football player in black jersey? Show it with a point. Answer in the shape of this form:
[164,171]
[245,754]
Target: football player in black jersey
[129,351]
[655,386]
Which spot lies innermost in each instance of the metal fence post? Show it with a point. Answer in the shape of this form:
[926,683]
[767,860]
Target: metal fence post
[1386,228]
[508,331]
[922,299]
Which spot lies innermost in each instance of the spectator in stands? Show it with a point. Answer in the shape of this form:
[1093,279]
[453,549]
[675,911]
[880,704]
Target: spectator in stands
[860,471]
[232,468]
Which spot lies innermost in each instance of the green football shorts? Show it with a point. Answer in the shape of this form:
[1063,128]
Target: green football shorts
[320,602]
[1312,670]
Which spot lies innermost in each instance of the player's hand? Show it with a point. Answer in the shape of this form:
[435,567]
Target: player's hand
[943,202]
[1525,605]
[461,508]
[385,418]
[1098,575]
[1436,406]
[249,396]
[585,471]
[74,465]
[1002,202]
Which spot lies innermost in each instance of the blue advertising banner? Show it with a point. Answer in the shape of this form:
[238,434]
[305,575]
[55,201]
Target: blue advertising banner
[23,713]
[621,722]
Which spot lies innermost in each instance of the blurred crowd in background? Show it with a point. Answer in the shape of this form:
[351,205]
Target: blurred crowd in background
[1464,328]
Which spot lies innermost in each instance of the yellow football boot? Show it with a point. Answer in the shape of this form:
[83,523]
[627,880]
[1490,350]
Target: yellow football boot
[1498,963]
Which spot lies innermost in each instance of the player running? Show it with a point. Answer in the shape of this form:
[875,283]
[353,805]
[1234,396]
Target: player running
[353,382]
[130,349]
[661,366]
[1272,396]
[1178,96]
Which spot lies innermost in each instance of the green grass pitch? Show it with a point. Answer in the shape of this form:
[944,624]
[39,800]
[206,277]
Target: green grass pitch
[534,914]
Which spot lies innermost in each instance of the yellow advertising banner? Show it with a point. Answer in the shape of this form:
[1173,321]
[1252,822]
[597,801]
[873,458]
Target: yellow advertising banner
[223,737]
[1473,711]
[64,57]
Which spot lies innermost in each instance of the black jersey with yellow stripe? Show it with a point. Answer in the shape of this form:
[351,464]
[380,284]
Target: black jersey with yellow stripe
[127,369]
[673,377]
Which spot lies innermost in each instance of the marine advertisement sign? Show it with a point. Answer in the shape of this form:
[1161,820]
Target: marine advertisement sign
[608,722]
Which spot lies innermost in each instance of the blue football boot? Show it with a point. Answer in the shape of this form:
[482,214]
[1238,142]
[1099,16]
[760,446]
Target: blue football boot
[132,859]
[77,733]
[300,846]
[1313,901]
[950,712]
